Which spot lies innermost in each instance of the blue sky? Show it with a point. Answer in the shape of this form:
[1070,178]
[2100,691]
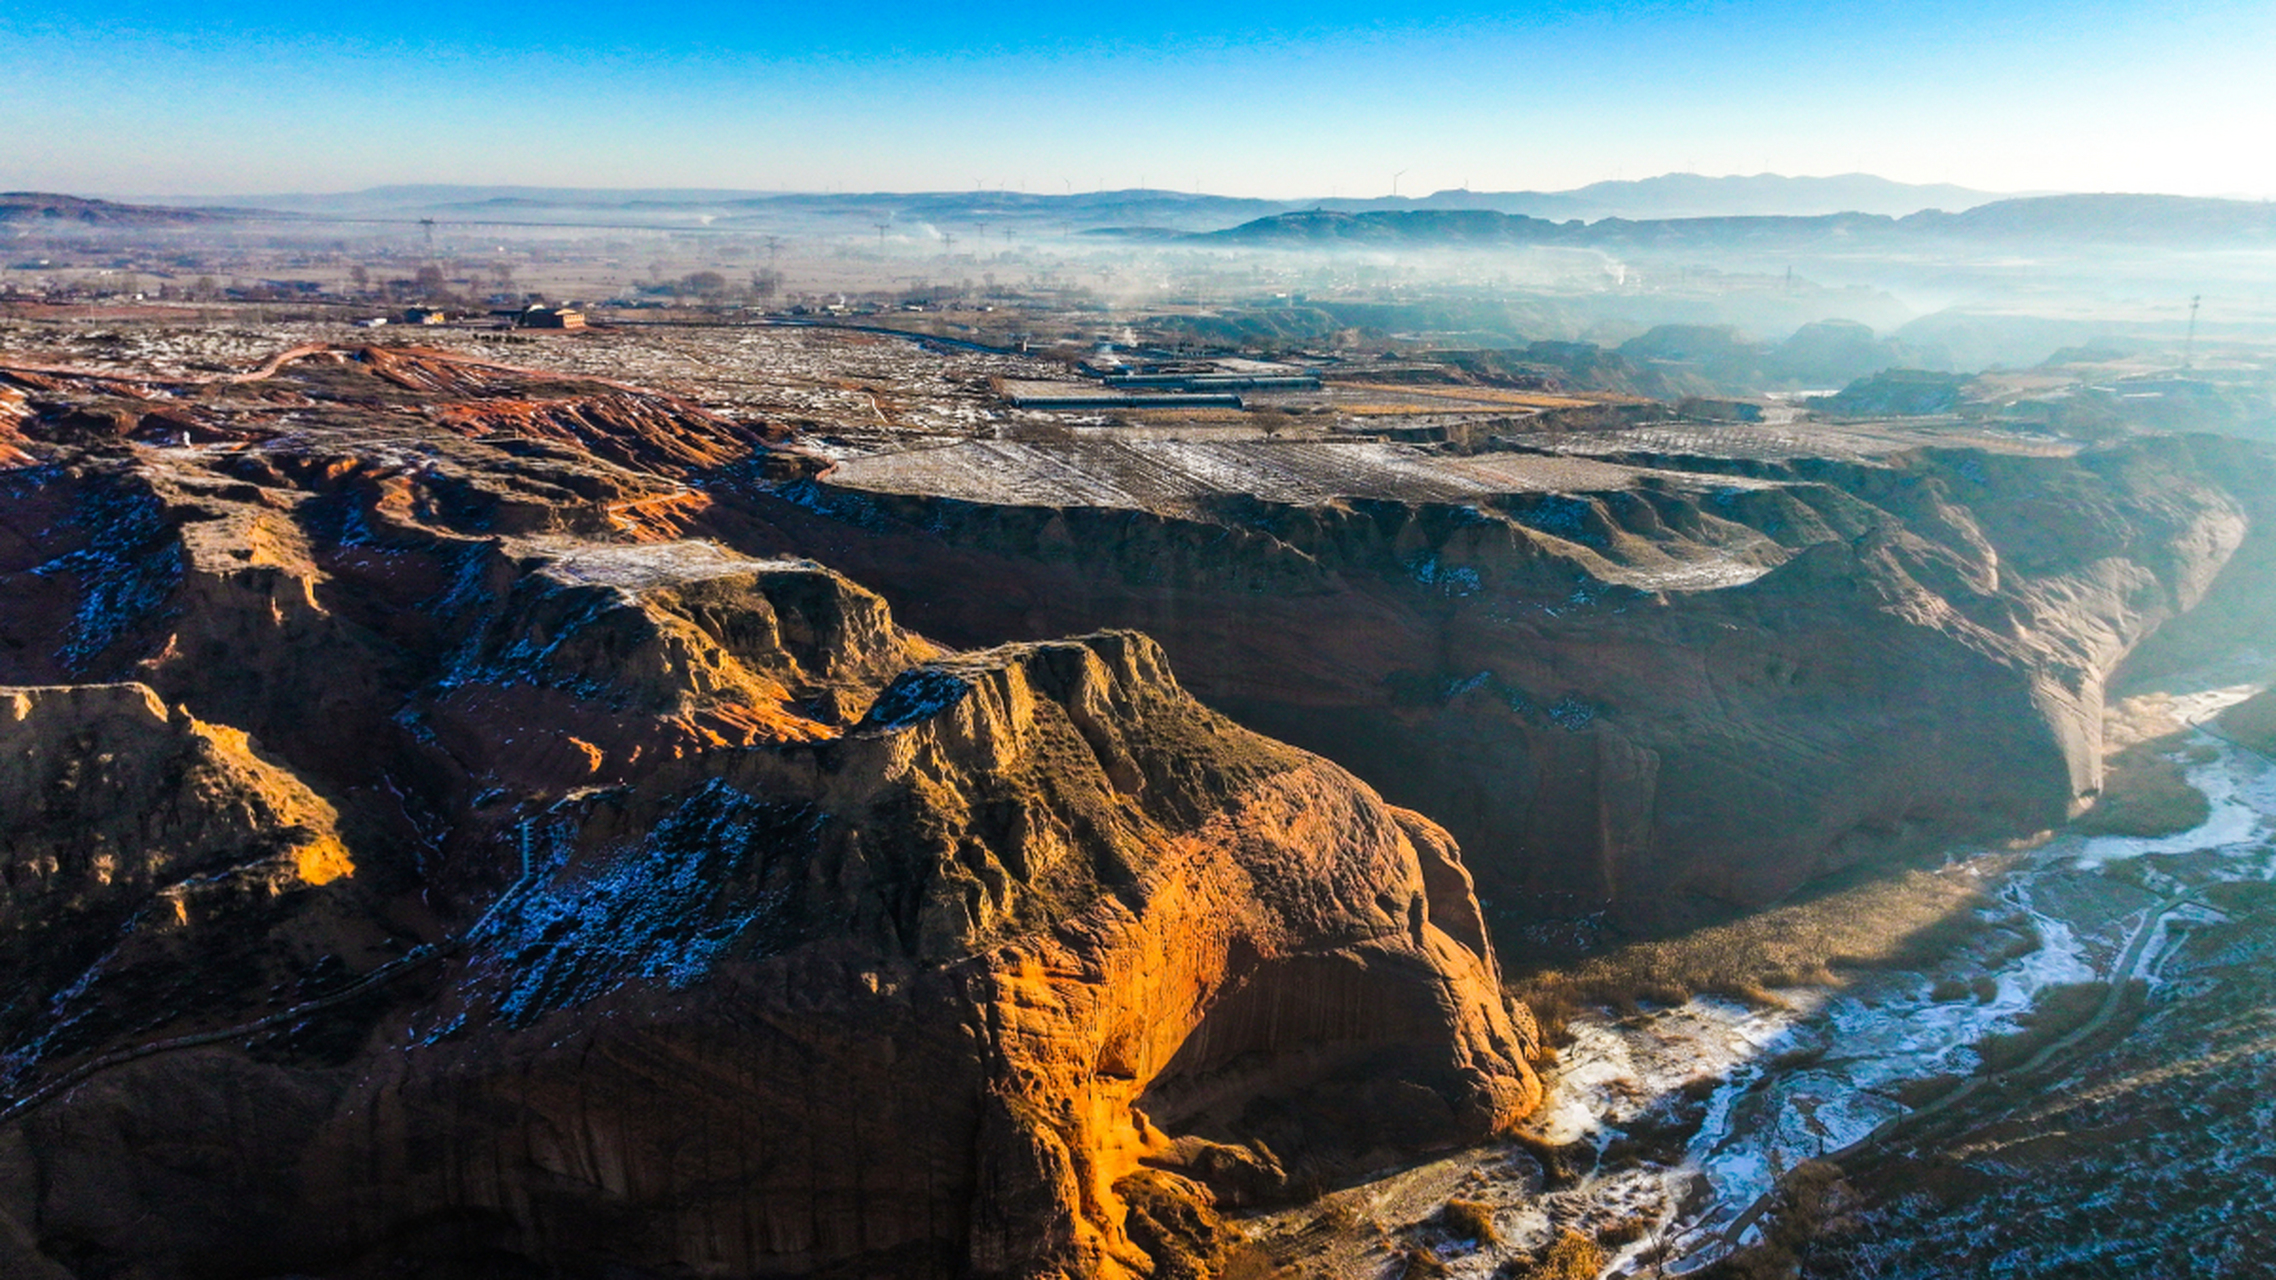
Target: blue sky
[1265,98]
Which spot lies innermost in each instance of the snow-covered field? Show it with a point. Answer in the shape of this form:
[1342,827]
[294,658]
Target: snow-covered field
[1150,474]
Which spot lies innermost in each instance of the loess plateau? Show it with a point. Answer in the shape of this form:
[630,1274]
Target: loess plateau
[469,820]
[430,855]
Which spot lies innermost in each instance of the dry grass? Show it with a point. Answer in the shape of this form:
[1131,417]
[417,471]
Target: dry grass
[1141,416]
[1810,1199]
[1906,918]
[1252,1262]
[1558,1164]
[1981,988]
[2243,898]
[1572,1256]
[1625,1232]
[1389,409]
[2253,722]
[2145,792]
[1470,1220]
[1419,1264]
[1924,1090]
[2057,1012]
[1047,432]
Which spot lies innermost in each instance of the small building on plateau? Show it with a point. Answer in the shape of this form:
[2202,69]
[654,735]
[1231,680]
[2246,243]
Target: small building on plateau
[543,317]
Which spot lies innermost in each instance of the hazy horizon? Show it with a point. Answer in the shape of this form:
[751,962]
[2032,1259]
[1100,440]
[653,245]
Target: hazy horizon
[1292,196]
[1280,101]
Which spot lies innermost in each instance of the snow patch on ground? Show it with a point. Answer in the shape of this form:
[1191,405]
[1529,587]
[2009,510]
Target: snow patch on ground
[649,911]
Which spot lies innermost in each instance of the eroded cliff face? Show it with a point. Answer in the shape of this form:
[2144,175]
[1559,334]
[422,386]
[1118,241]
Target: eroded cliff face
[937,967]
[133,833]
[432,860]
[1656,683]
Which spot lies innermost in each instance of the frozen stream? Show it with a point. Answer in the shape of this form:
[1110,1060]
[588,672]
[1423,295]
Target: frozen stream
[1780,1086]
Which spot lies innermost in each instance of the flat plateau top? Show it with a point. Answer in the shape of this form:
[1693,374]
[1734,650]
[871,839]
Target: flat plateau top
[645,566]
[1152,474]
[1778,442]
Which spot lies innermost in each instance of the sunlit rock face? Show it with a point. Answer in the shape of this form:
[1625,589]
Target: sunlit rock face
[1655,672]
[912,994]
[425,857]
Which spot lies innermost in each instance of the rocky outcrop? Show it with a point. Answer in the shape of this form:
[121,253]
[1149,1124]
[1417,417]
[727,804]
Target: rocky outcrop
[15,407]
[131,828]
[1693,683]
[949,980]
[603,660]
[688,915]
[600,901]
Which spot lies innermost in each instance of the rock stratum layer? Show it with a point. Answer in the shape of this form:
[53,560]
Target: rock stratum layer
[424,859]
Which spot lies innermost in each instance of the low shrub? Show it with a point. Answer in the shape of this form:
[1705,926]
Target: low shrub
[2145,793]
[1625,1232]
[1470,1220]
[2057,1012]
[1557,1165]
[1571,1256]
[1420,1264]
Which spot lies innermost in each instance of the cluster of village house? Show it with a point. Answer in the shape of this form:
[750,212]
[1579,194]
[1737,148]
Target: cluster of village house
[535,316]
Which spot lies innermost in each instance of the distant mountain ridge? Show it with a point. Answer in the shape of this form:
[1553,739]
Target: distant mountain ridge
[2137,219]
[1442,220]
[1691,195]
[46,207]
[1669,195]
